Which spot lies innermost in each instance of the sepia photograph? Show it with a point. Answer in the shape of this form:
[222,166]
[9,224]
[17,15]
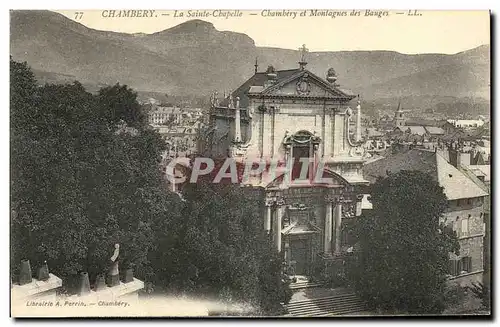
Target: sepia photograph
[303,163]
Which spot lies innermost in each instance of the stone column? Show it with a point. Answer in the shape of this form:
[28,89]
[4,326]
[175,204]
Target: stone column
[358,121]
[327,247]
[277,223]
[287,179]
[311,162]
[359,205]
[172,182]
[287,253]
[338,226]
[267,217]
[237,120]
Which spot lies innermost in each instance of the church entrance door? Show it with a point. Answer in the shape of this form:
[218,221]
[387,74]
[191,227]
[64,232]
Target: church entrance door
[300,255]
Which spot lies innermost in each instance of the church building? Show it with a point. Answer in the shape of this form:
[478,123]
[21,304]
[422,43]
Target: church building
[295,116]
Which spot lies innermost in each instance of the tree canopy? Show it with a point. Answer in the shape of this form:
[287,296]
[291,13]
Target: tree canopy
[85,174]
[404,245]
[82,179]
[218,247]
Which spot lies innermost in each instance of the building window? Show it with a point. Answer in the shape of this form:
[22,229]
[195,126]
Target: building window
[460,266]
[454,267]
[466,265]
[464,230]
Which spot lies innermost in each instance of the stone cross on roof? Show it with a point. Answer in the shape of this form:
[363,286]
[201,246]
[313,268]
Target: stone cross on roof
[303,51]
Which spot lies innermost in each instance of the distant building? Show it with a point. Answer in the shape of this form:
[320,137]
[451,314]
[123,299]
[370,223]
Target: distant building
[164,115]
[467,200]
[425,128]
[466,123]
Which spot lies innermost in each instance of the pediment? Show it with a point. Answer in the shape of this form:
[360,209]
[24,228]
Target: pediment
[306,84]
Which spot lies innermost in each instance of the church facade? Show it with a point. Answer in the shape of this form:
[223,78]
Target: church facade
[297,118]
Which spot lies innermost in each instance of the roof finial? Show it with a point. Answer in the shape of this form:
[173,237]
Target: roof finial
[256,64]
[303,62]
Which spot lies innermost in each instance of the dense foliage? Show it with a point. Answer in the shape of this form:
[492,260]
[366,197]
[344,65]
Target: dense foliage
[218,247]
[85,175]
[405,246]
[81,179]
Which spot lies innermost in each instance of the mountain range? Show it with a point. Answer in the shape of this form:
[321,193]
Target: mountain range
[194,59]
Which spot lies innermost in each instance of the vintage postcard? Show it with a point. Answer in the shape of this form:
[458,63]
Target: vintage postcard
[257,163]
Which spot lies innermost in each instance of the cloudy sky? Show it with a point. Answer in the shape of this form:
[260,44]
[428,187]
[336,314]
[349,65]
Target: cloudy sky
[427,32]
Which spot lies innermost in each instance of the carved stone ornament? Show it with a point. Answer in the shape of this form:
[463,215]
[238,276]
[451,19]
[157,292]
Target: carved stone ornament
[238,150]
[303,86]
[269,202]
[280,201]
[330,198]
[357,151]
[349,210]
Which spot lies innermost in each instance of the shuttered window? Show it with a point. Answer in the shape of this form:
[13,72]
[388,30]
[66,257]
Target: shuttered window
[452,267]
[457,267]
[466,264]
[464,231]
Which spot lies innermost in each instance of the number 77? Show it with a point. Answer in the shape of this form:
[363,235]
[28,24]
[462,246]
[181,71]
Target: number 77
[78,15]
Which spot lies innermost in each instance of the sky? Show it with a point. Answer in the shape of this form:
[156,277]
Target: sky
[426,32]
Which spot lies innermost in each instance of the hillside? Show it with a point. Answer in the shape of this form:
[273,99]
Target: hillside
[194,58]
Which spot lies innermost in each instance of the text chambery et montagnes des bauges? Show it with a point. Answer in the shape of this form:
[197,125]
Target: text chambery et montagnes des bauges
[239,13]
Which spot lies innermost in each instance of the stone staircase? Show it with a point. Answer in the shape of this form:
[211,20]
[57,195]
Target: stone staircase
[303,284]
[339,304]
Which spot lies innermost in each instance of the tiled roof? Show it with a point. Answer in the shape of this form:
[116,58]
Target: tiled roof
[434,130]
[256,84]
[423,122]
[259,79]
[408,160]
[456,185]
[481,170]
[419,130]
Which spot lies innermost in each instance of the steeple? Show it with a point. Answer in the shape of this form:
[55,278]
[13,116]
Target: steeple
[399,119]
[303,62]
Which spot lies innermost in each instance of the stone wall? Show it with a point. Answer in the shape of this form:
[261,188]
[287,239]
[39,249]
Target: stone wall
[471,241]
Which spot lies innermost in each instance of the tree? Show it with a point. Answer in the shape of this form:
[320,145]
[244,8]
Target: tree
[403,262]
[218,248]
[482,292]
[84,175]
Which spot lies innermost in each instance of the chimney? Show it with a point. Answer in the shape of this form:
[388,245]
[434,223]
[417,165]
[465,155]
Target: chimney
[100,283]
[455,157]
[128,275]
[43,272]
[25,276]
[83,284]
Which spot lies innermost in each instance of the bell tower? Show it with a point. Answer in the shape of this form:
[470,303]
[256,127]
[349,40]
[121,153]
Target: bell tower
[399,118]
